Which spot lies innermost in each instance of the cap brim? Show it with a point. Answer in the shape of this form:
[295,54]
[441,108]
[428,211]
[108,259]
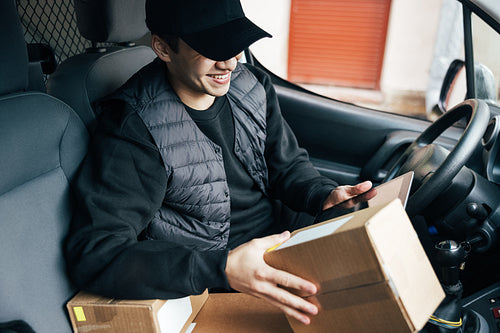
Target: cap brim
[225,41]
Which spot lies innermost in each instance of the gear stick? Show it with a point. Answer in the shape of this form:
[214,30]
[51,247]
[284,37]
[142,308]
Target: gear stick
[450,257]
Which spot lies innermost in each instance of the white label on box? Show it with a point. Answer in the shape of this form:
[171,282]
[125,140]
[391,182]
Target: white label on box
[313,233]
[174,314]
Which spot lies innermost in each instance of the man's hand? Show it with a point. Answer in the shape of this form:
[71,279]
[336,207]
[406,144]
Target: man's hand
[247,272]
[345,192]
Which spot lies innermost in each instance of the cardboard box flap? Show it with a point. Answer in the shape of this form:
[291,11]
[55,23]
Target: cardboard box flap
[405,263]
[370,293]
[370,308]
[88,298]
[351,258]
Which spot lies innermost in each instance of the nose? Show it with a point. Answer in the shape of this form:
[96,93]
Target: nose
[229,64]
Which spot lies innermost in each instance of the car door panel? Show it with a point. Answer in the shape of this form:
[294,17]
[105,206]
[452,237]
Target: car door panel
[346,142]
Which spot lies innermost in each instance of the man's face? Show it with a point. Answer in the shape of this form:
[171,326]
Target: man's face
[198,80]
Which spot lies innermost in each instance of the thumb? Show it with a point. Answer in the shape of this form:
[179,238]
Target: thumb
[360,188]
[274,240]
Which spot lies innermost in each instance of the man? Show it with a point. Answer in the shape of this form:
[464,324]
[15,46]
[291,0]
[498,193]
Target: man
[176,194]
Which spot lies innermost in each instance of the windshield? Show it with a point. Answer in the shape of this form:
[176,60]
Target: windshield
[400,70]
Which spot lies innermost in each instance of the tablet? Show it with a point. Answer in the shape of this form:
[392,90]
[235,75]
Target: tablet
[398,187]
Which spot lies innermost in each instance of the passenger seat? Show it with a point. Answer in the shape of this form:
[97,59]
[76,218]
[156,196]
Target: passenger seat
[81,80]
[42,143]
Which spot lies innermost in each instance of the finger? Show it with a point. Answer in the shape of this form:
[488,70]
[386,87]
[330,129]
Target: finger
[359,188]
[291,311]
[341,194]
[288,299]
[370,194]
[273,240]
[364,196]
[289,280]
[283,297]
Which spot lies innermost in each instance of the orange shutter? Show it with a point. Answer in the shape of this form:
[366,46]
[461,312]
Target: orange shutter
[338,42]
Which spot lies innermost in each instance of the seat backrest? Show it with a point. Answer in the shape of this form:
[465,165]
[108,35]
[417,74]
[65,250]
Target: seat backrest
[81,80]
[42,143]
[42,61]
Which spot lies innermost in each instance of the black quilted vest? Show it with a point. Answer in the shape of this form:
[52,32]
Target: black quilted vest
[196,207]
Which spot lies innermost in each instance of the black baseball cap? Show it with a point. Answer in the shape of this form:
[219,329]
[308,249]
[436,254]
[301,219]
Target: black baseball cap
[217,29]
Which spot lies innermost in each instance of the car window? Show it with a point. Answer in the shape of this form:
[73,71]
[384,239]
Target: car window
[416,42]
[486,45]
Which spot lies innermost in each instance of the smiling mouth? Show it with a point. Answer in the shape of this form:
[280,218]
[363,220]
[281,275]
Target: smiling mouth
[220,77]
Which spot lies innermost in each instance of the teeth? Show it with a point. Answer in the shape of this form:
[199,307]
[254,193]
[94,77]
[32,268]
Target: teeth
[220,77]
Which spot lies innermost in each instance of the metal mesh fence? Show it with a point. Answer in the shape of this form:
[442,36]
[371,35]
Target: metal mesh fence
[52,22]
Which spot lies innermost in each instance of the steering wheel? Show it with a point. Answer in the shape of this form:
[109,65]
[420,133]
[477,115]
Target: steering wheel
[435,181]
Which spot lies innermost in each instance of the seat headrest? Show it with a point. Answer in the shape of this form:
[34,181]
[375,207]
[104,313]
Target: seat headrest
[112,21]
[14,54]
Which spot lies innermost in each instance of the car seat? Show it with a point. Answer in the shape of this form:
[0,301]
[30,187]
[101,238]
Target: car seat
[42,143]
[42,61]
[84,78]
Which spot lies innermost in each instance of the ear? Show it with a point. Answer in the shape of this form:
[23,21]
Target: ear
[161,48]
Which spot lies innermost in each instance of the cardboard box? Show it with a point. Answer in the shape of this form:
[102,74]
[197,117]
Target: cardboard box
[372,272]
[240,313]
[91,313]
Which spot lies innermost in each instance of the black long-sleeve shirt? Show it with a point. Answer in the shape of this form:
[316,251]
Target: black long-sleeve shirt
[251,210]
[122,184]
